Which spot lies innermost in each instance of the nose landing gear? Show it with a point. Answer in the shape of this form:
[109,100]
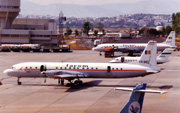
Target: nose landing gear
[18,82]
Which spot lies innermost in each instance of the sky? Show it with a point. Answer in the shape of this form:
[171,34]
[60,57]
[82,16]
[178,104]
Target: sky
[82,2]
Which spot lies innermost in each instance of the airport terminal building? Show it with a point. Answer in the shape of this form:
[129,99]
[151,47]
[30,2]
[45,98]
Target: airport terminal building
[25,31]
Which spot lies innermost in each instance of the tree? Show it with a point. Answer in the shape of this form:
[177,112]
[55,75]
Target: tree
[176,22]
[100,26]
[76,32]
[87,26]
[68,30]
[153,32]
[95,32]
[143,31]
[168,29]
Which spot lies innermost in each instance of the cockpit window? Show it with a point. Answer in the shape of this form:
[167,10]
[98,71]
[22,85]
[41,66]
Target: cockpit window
[13,68]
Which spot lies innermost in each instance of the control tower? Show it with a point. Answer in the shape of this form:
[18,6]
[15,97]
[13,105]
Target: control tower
[9,10]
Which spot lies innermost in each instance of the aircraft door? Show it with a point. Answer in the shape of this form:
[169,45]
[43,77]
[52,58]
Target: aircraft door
[43,68]
[122,59]
[109,69]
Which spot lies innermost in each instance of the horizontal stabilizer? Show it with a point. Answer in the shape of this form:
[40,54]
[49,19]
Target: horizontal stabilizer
[152,71]
[145,91]
[151,91]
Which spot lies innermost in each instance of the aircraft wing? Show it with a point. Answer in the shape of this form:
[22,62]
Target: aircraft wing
[127,49]
[63,74]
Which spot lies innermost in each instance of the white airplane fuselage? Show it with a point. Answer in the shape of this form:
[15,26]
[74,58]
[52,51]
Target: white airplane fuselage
[89,70]
[130,46]
[160,60]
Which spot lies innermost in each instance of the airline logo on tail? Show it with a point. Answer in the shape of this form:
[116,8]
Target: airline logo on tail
[148,52]
[170,37]
[134,107]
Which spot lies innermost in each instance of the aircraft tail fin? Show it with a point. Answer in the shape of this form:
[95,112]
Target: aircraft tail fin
[148,57]
[171,39]
[135,103]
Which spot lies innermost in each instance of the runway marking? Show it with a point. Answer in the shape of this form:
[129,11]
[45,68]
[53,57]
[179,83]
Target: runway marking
[162,97]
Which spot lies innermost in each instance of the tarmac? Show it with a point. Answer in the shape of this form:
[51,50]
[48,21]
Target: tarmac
[94,96]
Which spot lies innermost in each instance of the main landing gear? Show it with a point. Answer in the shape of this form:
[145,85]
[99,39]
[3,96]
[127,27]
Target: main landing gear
[100,54]
[76,83]
[61,82]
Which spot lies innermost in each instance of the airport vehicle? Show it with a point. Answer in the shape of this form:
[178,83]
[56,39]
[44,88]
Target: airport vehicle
[72,71]
[137,47]
[19,47]
[108,53]
[162,58]
[135,103]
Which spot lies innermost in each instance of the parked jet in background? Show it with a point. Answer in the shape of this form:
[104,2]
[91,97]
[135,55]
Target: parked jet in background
[137,47]
[135,103]
[71,71]
[162,58]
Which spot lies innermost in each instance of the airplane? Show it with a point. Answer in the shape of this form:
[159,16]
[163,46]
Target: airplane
[135,103]
[136,47]
[162,58]
[72,71]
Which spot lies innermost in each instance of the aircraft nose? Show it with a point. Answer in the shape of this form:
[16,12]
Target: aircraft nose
[93,48]
[7,71]
[112,61]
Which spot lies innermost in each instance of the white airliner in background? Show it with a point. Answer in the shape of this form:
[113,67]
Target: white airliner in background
[162,58]
[137,47]
[70,71]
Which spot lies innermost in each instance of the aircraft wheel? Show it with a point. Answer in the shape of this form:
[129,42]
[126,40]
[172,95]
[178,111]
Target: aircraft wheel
[78,82]
[70,85]
[19,83]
